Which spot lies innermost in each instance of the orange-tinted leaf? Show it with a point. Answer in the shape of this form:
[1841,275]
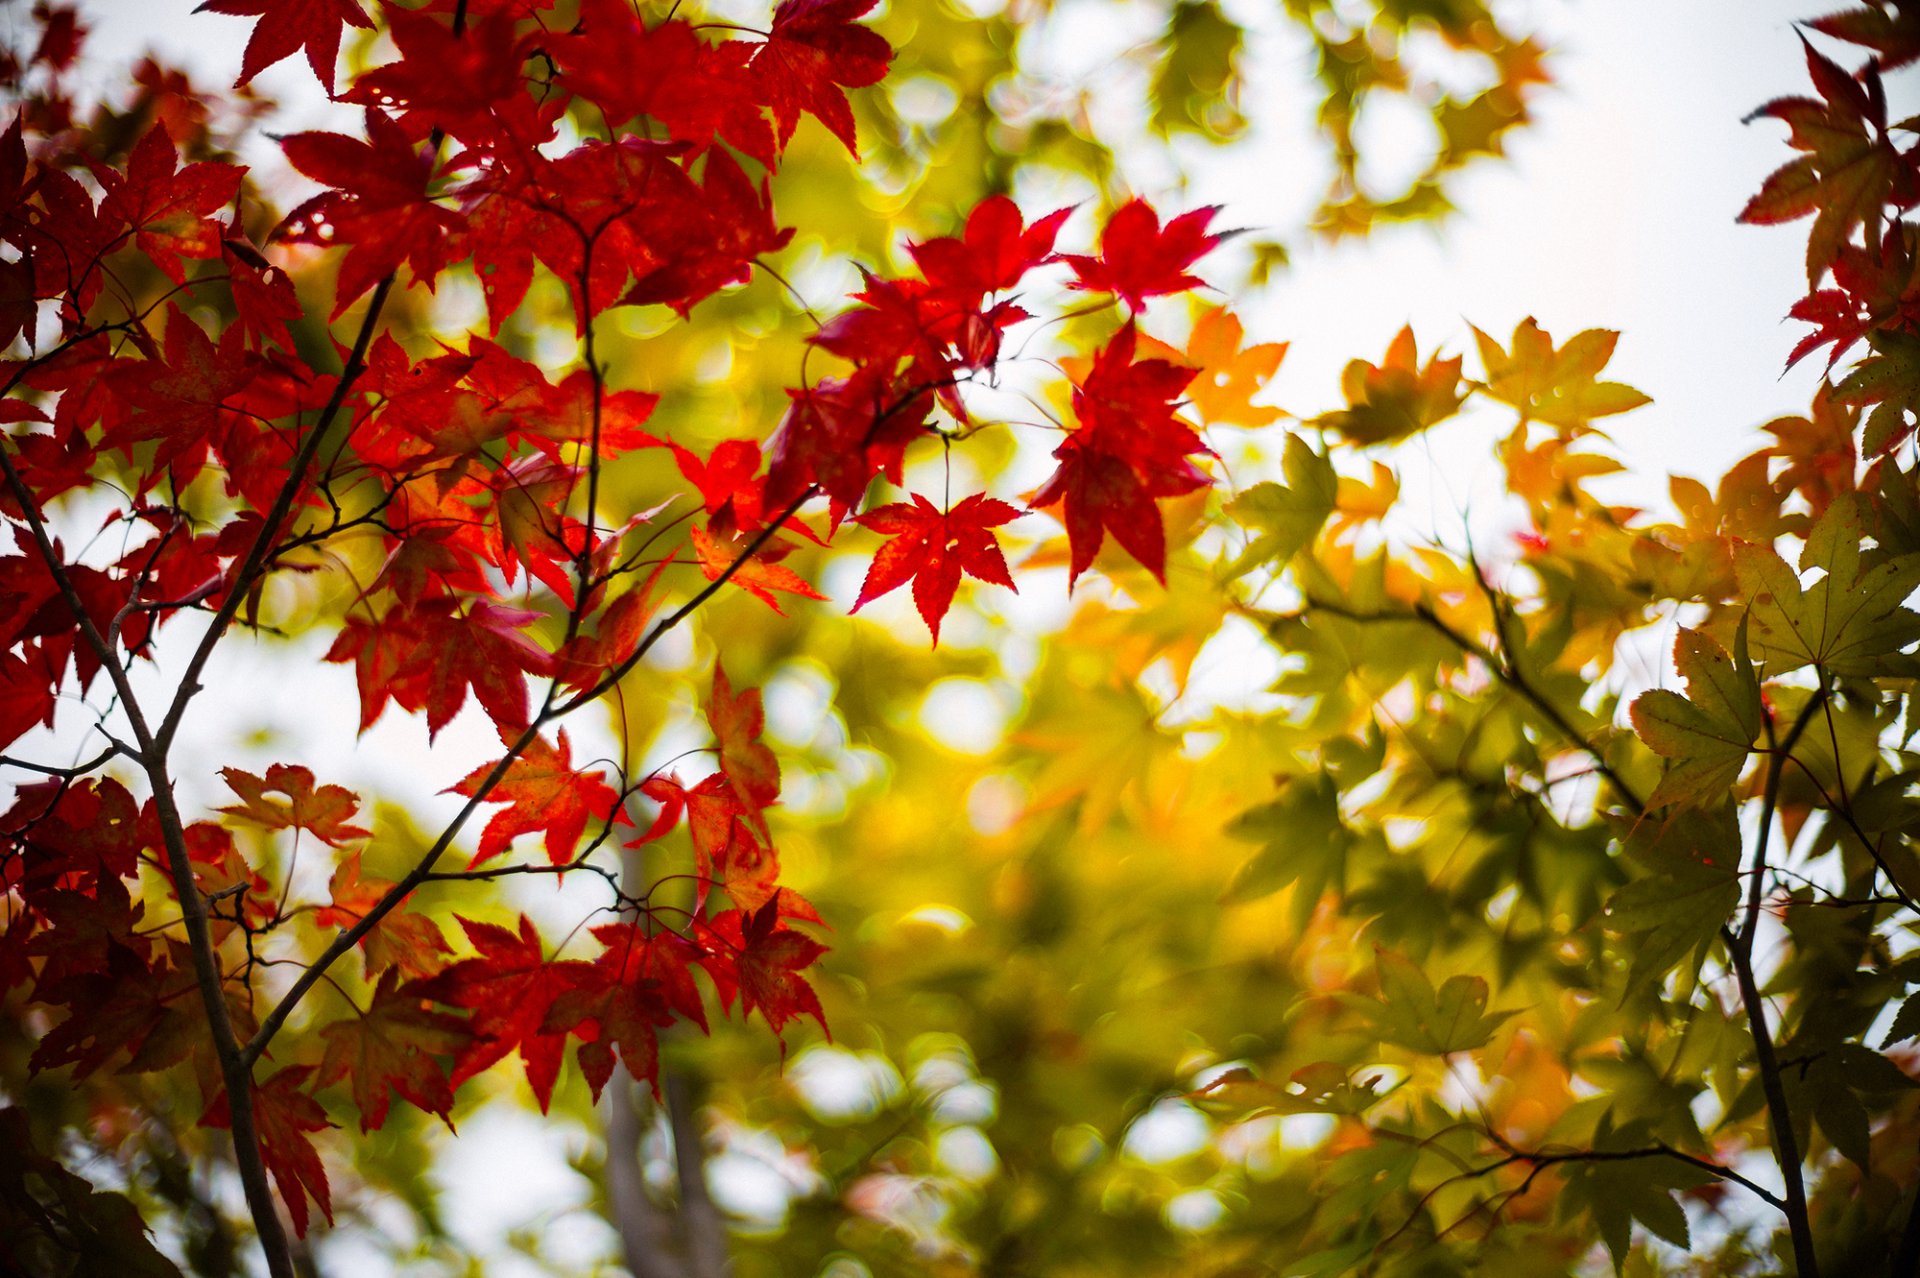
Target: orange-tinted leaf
[757,576]
[1397,398]
[323,812]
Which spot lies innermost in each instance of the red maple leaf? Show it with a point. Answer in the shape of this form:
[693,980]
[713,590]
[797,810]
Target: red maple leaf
[263,297]
[1130,449]
[814,48]
[547,795]
[755,957]
[623,998]
[169,208]
[288,26]
[426,657]
[994,253]
[509,987]
[757,574]
[378,206]
[737,721]
[732,849]
[841,432]
[700,91]
[393,1047]
[1139,259]
[933,548]
[283,1114]
[323,812]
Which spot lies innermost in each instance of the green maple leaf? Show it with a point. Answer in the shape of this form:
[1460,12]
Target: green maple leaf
[1410,1013]
[1285,519]
[1708,732]
[1849,620]
[1305,842]
[1619,1192]
[1692,884]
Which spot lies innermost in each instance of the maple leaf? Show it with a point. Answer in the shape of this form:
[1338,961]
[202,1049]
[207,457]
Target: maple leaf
[1889,380]
[1284,519]
[288,26]
[509,986]
[732,848]
[1397,398]
[622,626]
[731,487]
[1410,1013]
[1851,170]
[283,1114]
[391,1048]
[1556,386]
[322,812]
[1222,394]
[1130,449]
[409,942]
[699,91]
[378,206]
[263,297]
[814,48]
[1848,620]
[169,208]
[1618,1193]
[608,1014]
[737,721]
[1708,732]
[759,960]
[1689,885]
[756,575]
[1305,843]
[1139,259]
[548,795]
[992,254]
[428,656]
[932,548]
[1894,36]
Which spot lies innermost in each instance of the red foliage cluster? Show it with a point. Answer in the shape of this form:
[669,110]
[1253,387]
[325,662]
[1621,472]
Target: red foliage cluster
[236,448]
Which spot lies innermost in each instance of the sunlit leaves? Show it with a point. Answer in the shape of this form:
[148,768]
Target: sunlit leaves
[1851,169]
[1707,733]
[1556,386]
[1284,519]
[1849,619]
[1397,398]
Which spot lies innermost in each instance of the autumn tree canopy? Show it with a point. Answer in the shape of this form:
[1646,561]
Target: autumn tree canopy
[530,404]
